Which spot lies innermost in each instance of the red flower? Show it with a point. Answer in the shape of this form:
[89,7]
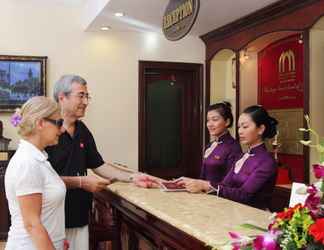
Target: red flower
[317,230]
[318,170]
[313,200]
[288,213]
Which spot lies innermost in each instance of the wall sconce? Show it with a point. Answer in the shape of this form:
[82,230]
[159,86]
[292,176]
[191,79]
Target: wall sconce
[244,56]
[301,39]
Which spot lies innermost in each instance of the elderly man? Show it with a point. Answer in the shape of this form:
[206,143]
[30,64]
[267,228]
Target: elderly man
[74,154]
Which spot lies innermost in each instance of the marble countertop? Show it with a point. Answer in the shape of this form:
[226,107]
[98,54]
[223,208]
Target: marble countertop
[205,217]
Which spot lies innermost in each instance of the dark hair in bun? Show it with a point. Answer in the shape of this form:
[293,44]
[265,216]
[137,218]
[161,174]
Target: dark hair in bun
[260,116]
[224,109]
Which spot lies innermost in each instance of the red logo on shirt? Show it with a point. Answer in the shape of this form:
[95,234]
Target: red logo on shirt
[217,157]
[81,145]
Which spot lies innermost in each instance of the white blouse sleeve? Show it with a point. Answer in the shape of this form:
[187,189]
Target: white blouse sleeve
[30,180]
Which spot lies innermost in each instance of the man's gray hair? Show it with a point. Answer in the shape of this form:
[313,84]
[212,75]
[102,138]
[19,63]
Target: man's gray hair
[64,84]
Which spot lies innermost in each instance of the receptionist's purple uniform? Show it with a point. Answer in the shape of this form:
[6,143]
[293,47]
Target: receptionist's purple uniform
[219,162]
[254,183]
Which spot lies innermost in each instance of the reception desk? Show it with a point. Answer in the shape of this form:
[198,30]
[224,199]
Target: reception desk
[153,219]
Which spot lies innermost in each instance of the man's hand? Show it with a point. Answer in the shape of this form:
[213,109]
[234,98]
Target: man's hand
[146,181]
[93,184]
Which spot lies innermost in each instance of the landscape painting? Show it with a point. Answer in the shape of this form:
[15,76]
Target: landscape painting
[21,77]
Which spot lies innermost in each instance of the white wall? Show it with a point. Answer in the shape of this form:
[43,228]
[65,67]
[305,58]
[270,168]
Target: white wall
[218,80]
[249,81]
[221,77]
[108,61]
[316,88]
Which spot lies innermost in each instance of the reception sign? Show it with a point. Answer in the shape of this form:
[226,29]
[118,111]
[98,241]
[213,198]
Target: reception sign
[280,74]
[179,17]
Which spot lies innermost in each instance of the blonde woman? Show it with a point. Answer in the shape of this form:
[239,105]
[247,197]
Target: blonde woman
[34,191]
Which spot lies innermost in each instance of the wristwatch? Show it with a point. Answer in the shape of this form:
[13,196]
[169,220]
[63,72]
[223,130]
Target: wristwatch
[131,177]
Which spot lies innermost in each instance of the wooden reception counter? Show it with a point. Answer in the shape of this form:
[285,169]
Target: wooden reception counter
[153,219]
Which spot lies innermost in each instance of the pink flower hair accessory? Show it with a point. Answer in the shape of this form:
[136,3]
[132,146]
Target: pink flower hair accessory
[16,118]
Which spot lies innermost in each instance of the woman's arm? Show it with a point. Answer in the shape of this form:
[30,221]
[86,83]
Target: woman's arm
[254,182]
[119,173]
[31,206]
[89,183]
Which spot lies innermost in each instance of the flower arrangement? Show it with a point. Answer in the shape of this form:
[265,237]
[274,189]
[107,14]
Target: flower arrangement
[298,227]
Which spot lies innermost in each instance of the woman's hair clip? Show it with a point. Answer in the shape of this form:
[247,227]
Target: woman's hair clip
[227,104]
[16,118]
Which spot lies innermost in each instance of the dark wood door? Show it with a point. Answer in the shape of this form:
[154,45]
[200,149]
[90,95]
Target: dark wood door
[170,120]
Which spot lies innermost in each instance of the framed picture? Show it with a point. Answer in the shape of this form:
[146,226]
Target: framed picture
[234,72]
[21,77]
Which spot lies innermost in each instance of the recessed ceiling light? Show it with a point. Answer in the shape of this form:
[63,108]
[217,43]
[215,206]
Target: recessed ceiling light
[105,28]
[119,14]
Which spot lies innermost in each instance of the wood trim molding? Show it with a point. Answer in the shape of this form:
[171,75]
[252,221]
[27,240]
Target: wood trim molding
[306,98]
[297,18]
[277,9]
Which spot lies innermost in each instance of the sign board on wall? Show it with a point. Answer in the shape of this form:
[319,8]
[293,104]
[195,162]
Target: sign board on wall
[281,92]
[281,74]
[179,17]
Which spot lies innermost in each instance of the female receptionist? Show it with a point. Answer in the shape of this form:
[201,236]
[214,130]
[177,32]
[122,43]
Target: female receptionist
[220,153]
[252,177]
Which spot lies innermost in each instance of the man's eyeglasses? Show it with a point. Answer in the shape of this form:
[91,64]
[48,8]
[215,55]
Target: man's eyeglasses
[82,96]
[58,123]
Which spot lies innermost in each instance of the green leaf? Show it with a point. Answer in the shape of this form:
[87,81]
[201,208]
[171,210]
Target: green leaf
[250,226]
[291,246]
[314,246]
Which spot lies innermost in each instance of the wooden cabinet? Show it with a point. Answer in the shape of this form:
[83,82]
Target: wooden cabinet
[4,212]
[280,198]
[140,230]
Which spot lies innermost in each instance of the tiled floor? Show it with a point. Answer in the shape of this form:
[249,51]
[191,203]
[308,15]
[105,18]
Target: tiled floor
[2,245]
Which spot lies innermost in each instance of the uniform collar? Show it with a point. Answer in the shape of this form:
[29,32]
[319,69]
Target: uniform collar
[33,151]
[257,148]
[225,136]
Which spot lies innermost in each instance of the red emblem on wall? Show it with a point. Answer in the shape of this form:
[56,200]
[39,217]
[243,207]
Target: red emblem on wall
[280,74]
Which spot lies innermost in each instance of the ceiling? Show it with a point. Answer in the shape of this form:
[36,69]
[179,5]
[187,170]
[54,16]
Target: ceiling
[146,15]
[72,3]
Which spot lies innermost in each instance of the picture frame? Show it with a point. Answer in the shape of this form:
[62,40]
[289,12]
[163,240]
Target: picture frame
[21,77]
[234,72]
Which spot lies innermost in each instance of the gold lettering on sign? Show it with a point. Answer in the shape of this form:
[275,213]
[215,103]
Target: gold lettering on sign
[286,75]
[290,56]
[177,15]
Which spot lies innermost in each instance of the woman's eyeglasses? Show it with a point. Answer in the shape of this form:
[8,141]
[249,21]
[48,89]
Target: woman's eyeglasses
[58,123]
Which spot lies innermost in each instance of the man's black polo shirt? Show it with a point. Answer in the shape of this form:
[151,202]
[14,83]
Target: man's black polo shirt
[71,157]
